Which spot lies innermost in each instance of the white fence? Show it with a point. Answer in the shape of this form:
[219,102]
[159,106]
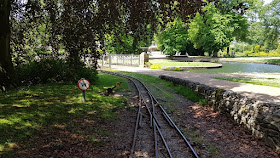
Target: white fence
[121,59]
[124,59]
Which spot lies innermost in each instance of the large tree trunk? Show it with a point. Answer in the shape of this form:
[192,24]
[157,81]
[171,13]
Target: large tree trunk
[6,66]
[215,53]
[74,60]
[228,52]
[134,45]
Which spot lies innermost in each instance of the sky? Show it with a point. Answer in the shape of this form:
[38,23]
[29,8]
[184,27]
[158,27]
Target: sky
[267,1]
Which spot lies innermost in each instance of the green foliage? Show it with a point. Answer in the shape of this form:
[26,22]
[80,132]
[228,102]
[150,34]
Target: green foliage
[273,61]
[256,49]
[270,20]
[215,29]
[174,69]
[278,49]
[259,54]
[190,94]
[155,66]
[174,38]
[119,44]
[256,34]
[50,70]
[148,64]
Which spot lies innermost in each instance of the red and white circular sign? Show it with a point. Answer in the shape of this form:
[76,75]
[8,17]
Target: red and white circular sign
[83,84]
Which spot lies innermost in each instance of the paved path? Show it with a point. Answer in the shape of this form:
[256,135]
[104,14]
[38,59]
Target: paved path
[264,93]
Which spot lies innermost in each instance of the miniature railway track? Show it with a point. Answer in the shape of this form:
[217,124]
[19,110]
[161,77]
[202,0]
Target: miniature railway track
[154,124]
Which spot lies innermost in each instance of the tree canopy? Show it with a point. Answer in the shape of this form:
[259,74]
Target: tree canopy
[79,27]
[215,29]
[270,16]
[174,38]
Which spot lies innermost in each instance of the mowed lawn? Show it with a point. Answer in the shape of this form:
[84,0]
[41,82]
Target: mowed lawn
[29,111]
[181,64]
[272,82]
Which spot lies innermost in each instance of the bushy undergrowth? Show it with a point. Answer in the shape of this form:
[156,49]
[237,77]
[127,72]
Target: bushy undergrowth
[51,71]
[273,61]
[174,69]
[155,66]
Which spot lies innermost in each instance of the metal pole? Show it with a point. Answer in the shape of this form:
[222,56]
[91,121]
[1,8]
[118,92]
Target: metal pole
[84,96]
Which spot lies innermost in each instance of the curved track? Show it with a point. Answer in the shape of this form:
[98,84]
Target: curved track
[155,133]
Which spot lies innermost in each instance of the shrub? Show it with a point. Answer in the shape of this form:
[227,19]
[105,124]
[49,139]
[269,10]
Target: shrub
[148,64]
[257,49]
[173,69]
[248,53]
[263,54]
[50,70]
[155,66]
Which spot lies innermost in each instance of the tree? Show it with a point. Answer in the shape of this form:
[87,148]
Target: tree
[80,26]
[6,66]
[215,28]
[270,18]
[174,38]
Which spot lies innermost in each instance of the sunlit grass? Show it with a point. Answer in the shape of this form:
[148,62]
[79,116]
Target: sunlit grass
[272,82]
[183,64]
[26,110]
[272,61]
[155,82]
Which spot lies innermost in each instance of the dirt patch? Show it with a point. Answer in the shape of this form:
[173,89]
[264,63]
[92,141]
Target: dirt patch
[218,136]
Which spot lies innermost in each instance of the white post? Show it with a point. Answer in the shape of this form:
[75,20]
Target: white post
[144,57]
[110,61]
[131,59]
[102,65]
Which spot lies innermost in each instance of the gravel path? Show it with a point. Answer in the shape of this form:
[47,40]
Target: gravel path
[263,93]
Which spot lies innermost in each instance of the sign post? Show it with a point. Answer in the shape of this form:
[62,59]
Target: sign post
[83,85]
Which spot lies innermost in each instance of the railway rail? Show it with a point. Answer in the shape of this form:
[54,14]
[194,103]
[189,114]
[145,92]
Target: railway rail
[154,124]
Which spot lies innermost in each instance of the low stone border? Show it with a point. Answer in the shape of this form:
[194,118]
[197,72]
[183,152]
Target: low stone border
[261,118]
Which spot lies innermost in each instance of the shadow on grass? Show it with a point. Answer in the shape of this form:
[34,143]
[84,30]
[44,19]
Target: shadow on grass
[25,112]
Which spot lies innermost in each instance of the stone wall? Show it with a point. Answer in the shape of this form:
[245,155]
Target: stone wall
[261,118]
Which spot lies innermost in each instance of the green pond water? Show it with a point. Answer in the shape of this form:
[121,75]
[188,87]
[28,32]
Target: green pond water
[232,67]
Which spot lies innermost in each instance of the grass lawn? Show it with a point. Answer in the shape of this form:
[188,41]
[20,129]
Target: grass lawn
[260,60]
[182,64]
[272,61]
[155,85]
[27,112]
[273,82]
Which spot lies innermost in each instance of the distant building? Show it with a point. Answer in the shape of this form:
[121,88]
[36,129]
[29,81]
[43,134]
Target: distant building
[153,47]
